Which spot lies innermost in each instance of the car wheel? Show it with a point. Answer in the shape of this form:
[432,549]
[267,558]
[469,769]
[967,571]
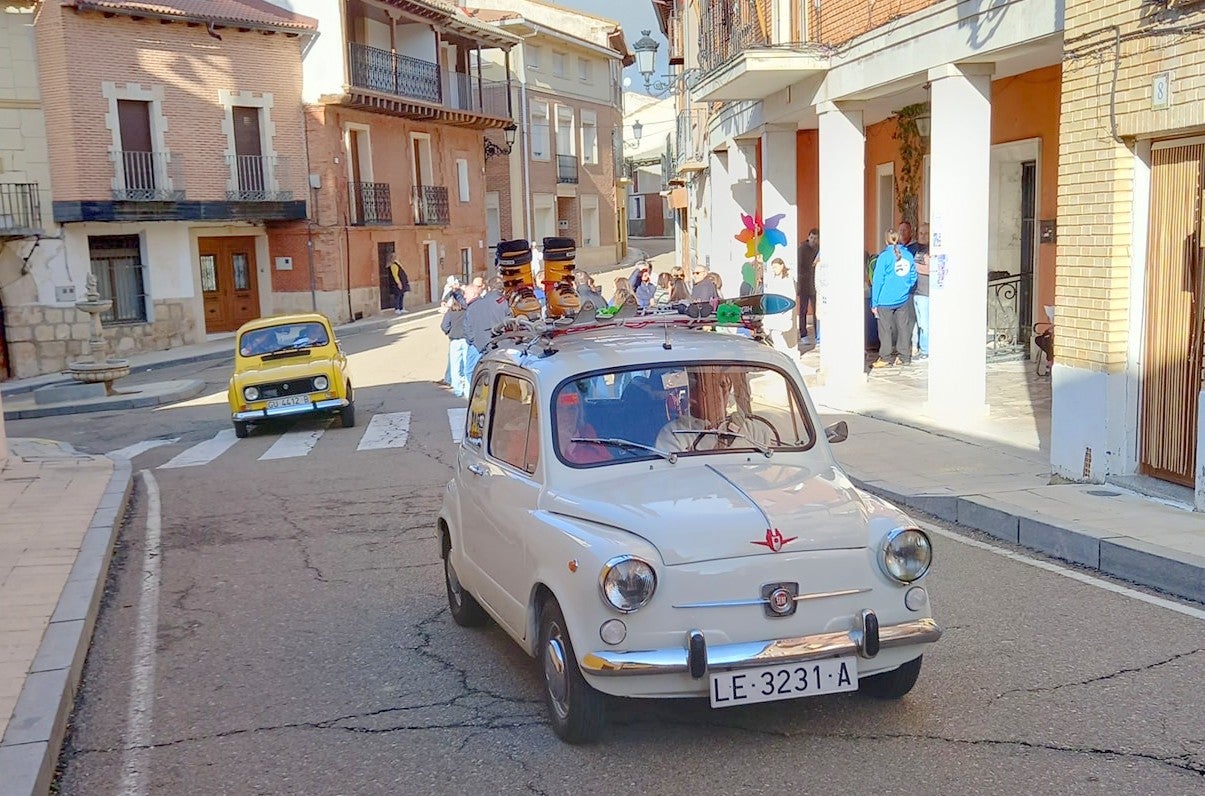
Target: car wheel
[577,711]
[241,429]
[347,415]
[893,684]
[465,610]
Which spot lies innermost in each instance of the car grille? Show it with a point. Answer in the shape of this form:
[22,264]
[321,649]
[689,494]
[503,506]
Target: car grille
[281,389]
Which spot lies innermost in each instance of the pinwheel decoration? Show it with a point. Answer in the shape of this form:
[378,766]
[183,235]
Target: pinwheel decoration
[761,237]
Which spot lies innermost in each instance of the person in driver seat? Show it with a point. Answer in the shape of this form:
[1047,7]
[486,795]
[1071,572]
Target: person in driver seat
[570,425]
[718,400]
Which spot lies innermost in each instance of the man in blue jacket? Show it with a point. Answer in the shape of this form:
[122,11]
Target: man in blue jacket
[891,301]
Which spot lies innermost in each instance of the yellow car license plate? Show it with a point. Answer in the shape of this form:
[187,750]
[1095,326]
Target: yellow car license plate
[292,400]
[786,681]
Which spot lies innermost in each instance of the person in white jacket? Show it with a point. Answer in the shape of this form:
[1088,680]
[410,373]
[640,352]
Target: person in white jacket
[779,281]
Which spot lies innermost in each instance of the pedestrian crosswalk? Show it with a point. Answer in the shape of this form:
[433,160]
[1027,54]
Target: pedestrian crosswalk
[384,431]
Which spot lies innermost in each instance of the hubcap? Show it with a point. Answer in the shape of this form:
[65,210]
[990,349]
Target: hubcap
[453,581]
[554,672]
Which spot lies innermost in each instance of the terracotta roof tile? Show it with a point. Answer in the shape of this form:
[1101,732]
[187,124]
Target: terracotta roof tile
[252,13]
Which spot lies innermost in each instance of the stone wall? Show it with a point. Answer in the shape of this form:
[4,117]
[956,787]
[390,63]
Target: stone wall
[44,339]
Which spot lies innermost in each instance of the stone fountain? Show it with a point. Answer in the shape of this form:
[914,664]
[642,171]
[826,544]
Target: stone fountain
[94,366]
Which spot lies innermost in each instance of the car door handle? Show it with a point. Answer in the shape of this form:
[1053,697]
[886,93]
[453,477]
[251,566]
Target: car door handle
[477,469]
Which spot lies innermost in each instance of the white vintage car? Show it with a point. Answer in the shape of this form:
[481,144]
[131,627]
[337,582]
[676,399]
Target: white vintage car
[654,512]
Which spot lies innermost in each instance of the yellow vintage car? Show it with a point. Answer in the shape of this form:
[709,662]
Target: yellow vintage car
[288,365]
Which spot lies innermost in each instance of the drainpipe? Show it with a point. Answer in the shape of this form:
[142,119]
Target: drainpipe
[530,214]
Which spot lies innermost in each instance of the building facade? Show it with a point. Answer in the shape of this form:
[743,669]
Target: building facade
[170,157]
[396,104]
[1130,292]
[646,163]
[561,178]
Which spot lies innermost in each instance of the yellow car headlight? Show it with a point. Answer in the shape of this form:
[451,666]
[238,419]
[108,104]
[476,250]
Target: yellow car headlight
[251,393]
[321,382]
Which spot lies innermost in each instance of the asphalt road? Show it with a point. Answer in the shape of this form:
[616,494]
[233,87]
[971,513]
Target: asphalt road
[300,643]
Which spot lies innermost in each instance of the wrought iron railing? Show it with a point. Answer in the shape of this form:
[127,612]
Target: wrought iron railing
[566,169]
[148,176]
[403,76]
[1006,333]
[729,28]
[430,205]
[20,208]
[258,178]
[392,73]
[370,203]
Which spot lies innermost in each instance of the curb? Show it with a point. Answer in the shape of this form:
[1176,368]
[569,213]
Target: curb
[191,389]
[1172,571]
[30,748]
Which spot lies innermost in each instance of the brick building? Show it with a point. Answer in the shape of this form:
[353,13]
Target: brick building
[1130,289]
[562,175]
[170,157]
[395,104]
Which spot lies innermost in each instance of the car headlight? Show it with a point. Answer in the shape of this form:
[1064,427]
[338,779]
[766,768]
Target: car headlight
[627,583]
[251,393]
[906,554]
[321,382]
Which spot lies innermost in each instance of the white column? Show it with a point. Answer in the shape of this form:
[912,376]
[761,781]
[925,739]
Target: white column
[960,177]
[737,195]
[779,192]
[842,242]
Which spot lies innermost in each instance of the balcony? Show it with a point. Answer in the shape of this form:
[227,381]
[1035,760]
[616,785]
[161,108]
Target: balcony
[257,178]
[370,203]
[690,149]
[738,55]
[566,169]
[148,176]
[453,97]
[430,205]
[20,210]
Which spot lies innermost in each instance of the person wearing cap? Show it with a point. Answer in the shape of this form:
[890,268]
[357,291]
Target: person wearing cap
[452,290]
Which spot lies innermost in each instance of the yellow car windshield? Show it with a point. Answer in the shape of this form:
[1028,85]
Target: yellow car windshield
[285,337]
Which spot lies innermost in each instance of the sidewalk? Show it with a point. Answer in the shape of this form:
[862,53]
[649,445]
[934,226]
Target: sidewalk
[60,511]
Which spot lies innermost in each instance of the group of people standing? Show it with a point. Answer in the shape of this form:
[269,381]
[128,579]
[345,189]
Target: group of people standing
[899,296]
[470,313]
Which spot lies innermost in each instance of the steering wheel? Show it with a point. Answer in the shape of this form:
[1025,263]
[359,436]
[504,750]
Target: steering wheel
[773,431]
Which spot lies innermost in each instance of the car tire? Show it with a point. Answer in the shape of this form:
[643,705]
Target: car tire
[893,684]
[577,712]
[347,415]
[242,429]
[465,610]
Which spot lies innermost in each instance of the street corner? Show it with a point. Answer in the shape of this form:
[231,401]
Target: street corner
[141,396]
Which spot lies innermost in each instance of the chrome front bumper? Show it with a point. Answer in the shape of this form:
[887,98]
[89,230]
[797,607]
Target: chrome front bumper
[695,657]
[299,409]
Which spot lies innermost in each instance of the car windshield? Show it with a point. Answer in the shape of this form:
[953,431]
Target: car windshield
[678,410]
[285,337]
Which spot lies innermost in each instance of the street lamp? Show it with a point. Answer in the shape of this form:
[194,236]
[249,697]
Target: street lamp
[637,129]
[646,60]
[494,150]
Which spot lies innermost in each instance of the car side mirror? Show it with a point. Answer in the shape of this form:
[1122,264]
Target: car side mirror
[837,432]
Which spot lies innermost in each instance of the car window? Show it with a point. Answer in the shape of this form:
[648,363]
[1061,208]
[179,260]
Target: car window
[478,405]
[286,336]
[514,424]
[690,408]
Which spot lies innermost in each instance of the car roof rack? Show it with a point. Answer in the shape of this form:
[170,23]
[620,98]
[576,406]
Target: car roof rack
[745,312]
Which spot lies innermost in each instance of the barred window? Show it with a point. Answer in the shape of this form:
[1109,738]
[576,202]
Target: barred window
[117,266]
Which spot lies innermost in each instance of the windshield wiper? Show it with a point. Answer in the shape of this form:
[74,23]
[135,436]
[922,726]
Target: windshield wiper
[763,449]
[672,458]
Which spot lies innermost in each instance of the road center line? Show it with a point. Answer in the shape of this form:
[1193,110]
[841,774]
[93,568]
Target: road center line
[1187,610]
[135,757]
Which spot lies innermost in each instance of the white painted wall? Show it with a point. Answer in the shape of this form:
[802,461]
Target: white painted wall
[416,41]
[325,63]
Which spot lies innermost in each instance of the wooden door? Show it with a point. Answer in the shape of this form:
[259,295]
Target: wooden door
[137,158]
[1172,358]
[228,282]
[247,151]
[385,252]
